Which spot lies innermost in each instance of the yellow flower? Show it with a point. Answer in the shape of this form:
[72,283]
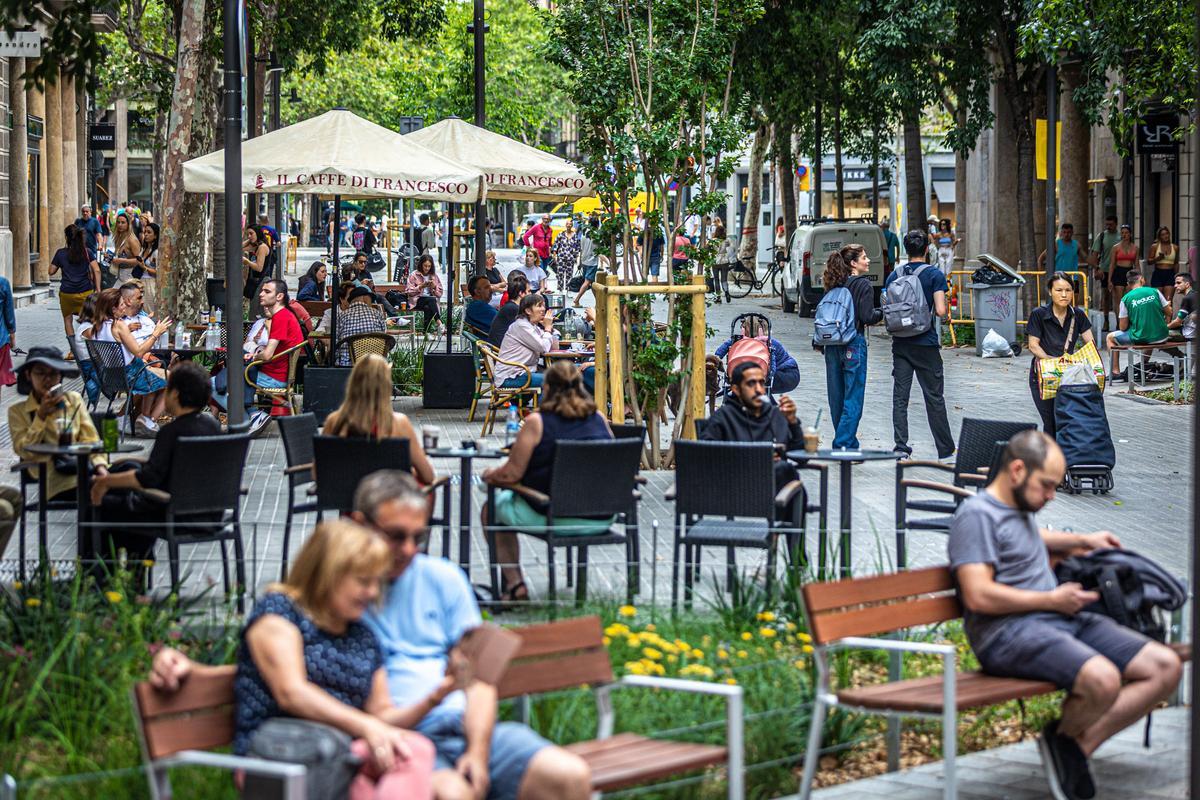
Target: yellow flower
[633,641]
[667,647]
[682,645]
[627,611]
[652,654]
[742,654]
[791,626]
[671,659]
[113,597]
[766,632]
[18,585]
[722,654]
[778,645]
[148,562]
[650,627]
[32,602]
[731,681]
[747,636]
[607,641]
[706,640]
[804,637]
[616,629]
[807,648]
[697,653]
[799,663]
[766,616]
[635,668]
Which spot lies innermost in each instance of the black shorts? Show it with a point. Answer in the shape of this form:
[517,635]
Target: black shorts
[1120,276]
[1161,278]
[1053,647]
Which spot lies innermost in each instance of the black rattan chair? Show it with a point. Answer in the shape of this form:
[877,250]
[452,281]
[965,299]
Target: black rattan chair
[977,442]
[575,492]
[108,361]
[341,462]
[297,433]
[725,497]
[204,509]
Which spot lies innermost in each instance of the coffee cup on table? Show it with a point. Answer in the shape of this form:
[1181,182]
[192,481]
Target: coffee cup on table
[812,440]
[429,436]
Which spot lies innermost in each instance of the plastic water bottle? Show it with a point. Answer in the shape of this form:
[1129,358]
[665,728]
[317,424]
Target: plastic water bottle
[513,426]
[180,334]
[217,313]
[204,317]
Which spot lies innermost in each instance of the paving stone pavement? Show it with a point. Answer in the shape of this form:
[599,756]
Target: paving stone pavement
[1148,507]
[1122,769]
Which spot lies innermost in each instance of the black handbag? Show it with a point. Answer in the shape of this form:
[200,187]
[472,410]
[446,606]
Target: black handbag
[322,749]
[375,261]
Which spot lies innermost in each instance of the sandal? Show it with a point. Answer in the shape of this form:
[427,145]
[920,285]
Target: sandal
[509,594]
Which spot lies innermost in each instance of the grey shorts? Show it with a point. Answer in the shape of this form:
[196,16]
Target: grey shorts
[1053,647]
[513,746]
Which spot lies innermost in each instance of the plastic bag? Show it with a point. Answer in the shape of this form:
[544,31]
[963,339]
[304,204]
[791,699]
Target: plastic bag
[994,346]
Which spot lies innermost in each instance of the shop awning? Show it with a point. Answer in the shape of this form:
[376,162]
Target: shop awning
[944,190]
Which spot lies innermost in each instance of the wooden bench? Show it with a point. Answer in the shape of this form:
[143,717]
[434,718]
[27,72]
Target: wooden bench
[179,728]
[842,613]
[570,653]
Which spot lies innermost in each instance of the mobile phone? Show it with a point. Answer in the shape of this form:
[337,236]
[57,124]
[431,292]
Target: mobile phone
[56,390]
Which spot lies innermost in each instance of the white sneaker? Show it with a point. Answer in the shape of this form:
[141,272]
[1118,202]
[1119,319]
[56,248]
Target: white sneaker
[258,421]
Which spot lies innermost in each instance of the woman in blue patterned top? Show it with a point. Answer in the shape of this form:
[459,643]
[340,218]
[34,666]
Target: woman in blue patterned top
[305,653]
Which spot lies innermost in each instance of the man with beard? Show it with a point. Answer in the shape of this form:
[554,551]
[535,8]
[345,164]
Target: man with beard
[1021,623]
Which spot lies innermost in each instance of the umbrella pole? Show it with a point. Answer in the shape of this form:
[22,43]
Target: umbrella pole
[233,208]
[480,238]
[450,272]
[335,270]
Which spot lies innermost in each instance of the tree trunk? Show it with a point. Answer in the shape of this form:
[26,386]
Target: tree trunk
[838,176]
[748,249]
[158,159]
[787,178]
[1076,146]
[960,189]
[179,144]
[914,173]
[196,225]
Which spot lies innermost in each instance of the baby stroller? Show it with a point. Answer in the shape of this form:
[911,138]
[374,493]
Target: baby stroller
[749,340]
[1085,439]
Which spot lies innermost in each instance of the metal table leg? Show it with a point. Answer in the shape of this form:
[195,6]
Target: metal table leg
[844,490]
[464,516]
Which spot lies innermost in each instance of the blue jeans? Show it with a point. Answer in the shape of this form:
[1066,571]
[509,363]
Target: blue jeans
[535,381]
[846,383]
[220,383]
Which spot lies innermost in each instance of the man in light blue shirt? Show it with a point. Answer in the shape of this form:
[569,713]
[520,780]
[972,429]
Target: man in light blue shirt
[425,610]
[1066,251]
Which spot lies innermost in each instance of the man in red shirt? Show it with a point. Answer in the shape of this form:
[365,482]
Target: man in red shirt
[538,237]
[284,334]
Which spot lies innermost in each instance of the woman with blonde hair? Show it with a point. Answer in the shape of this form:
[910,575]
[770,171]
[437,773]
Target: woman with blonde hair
[127,250]
[566,412]
[305,653]
[366,412]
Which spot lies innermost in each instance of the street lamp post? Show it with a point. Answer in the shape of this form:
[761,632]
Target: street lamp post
[275,74]
[232,93]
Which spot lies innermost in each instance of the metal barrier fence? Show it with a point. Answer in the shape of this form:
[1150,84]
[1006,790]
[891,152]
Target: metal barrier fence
[961,300]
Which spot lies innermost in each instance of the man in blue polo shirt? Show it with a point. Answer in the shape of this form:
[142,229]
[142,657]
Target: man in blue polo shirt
[921,354]
[427,606]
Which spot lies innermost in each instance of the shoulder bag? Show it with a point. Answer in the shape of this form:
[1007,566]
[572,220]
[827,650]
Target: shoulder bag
[322,749]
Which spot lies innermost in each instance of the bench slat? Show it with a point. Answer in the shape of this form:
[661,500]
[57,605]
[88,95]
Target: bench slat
[628,759]
[973,690]
[203,689]
[548,675]
[825,596]
[201,731]
[883,619]
[579,633]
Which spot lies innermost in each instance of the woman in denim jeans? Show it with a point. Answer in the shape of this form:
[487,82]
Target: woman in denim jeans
[846,365]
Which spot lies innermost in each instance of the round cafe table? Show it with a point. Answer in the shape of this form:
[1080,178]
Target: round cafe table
[83,453]
[846,459]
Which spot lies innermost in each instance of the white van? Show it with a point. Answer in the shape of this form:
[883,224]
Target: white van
[811,245]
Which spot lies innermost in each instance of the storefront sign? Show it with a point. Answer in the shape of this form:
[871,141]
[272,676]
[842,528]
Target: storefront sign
[21,44]
[102,136]
[1157,134]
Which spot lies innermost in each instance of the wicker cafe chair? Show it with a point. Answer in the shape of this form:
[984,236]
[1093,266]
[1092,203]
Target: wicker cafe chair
[361,345]
[482,380]
[500,396]
[288,393]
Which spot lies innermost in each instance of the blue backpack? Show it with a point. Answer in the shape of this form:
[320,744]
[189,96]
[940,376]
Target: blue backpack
[834,322]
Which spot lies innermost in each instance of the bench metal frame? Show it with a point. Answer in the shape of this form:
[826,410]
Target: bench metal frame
[825,698]
[734,717]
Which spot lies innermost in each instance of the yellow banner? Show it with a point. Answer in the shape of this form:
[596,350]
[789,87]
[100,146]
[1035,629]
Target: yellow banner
[1039,149]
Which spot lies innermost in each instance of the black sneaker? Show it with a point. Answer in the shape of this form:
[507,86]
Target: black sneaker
[1122,376]
[902,451]
[1066,767]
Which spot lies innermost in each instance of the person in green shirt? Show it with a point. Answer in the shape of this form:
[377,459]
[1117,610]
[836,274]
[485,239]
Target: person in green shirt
[1100,256]
[1142,319]
[891,245]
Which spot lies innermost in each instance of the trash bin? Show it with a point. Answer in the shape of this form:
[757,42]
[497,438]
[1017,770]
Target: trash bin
[994,307]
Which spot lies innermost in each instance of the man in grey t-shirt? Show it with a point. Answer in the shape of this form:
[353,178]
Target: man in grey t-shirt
[1021,623]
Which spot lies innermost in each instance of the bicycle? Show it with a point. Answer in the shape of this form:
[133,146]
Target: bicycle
[742,279]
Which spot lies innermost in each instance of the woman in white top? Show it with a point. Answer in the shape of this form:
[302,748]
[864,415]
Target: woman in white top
[126,247]
[146,383]
[149,266]
[85,327]
[529,338]
[532,268]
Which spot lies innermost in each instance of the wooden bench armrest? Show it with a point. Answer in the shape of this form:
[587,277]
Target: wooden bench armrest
[934,486]
[788,493]
[298,468]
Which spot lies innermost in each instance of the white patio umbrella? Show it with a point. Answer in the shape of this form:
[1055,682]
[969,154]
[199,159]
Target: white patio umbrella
[342,154]
[513,170]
